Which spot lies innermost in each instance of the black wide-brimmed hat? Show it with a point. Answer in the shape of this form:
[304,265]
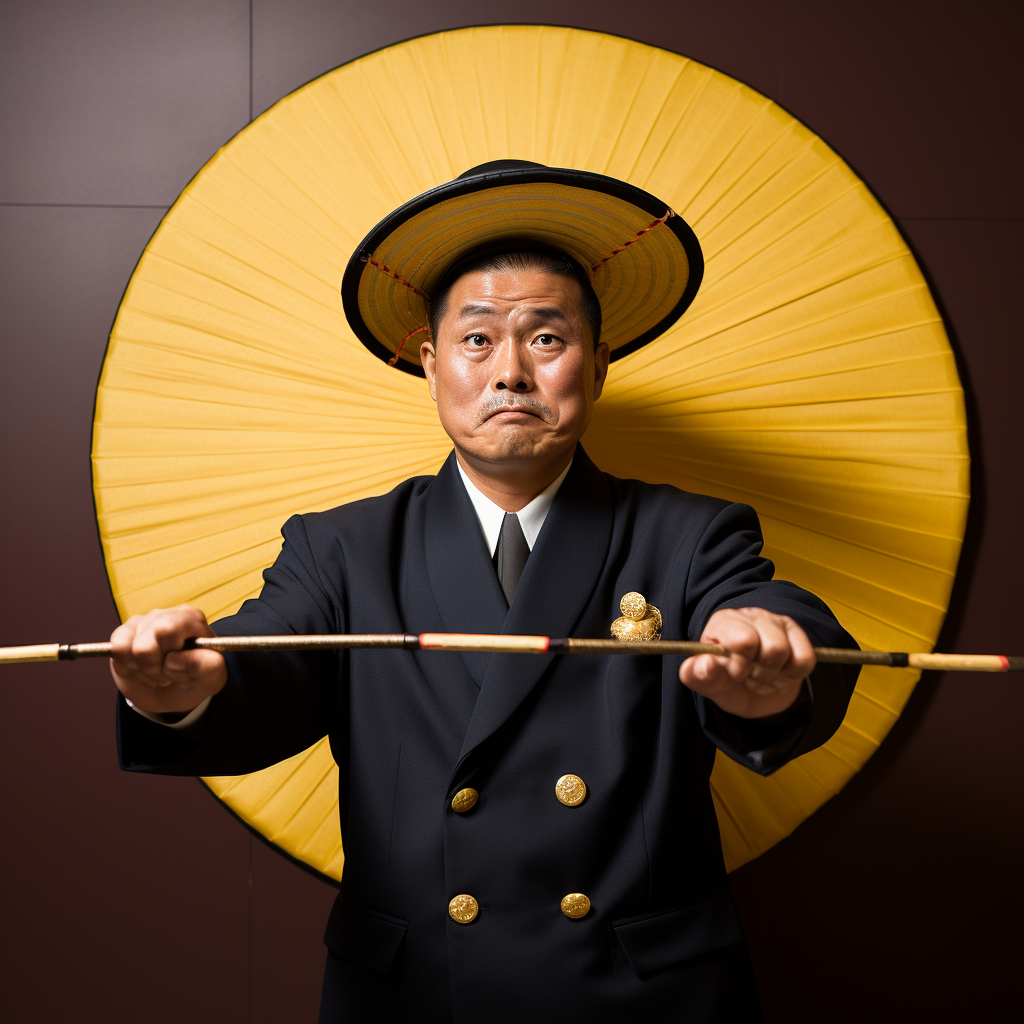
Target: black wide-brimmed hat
[644,260]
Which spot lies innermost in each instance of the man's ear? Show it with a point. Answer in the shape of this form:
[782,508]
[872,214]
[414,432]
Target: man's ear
[601,356]
[428,359]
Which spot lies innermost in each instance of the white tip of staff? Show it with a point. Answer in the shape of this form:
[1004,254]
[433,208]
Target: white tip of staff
[23,655]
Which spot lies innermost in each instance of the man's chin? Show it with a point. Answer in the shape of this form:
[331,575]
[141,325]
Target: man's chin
[512,444]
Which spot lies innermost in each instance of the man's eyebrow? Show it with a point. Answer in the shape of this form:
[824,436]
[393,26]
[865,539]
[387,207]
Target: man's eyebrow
[538,313]
[476,310]
[546,313]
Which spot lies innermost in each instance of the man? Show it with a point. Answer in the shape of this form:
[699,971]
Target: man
[526,837]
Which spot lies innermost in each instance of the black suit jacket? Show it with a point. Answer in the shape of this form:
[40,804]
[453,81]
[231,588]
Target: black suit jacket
[409,729]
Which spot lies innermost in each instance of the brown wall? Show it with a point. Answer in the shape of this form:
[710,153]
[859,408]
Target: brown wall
[127,898]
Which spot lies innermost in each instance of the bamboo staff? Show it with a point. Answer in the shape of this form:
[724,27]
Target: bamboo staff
[501,644]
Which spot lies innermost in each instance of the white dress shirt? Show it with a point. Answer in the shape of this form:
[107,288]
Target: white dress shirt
[491,516]
[531,517]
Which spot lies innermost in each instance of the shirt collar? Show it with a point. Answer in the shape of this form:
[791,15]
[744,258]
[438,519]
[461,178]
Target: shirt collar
[531,517]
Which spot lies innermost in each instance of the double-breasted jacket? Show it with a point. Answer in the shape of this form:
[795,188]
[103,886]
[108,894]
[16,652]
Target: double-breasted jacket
[411,729]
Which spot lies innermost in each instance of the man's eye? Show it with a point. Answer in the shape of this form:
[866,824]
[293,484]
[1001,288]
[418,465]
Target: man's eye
[546,340]
[476,340]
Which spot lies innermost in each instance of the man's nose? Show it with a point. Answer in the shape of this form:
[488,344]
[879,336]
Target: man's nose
[512,371]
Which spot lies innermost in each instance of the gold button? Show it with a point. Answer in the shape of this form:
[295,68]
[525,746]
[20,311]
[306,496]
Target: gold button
[464,908]
[633,605]
[571,790]
[574,905]
[465,799]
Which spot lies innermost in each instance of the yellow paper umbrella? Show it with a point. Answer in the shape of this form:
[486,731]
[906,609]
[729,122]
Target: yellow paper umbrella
[811,377]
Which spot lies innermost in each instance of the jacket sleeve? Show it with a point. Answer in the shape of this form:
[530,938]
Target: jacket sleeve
[275,704]
[728,571]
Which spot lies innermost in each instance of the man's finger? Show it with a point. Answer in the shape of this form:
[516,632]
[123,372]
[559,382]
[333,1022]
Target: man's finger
[146,651]
[165,630]
[191,664]
[704,672]
[735,634]
[775,649]
[173,627]
[121,643]
[802,660]
[697,668]
[738,635]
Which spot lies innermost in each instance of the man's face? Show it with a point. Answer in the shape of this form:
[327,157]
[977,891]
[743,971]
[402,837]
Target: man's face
[513,370]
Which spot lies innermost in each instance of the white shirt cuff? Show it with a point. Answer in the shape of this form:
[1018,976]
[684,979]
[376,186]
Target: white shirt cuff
[193,716]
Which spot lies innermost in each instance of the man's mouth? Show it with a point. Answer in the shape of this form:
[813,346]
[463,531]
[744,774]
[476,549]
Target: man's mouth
[505,410]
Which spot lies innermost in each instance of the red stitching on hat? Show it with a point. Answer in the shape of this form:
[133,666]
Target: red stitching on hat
[401,280]
[394,358]
[635,238]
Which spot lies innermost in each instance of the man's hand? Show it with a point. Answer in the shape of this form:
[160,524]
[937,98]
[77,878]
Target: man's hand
[151,669]
[770,657]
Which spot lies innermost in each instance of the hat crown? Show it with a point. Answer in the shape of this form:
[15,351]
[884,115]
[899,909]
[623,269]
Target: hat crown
[495,166]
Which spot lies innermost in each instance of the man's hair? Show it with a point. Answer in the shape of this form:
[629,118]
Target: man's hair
[516,259]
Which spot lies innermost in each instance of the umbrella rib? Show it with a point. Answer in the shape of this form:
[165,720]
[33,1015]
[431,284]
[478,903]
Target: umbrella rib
[839,461]
[296,494]
[331,811]
[846,277]
[251,295]
[353,483]
[639,366]
[275,225]
[762,184]
[763,108]
[818,253]
[276,831]
[315,228]
[637,86]
[684,66]
[733,819]
[693,67]
[864,694]
[906,631]
[779,381]
[225,403]
[119,334]
[233,365]
[831,346]
[232,453]
[388,57]
[901,460]
[427,94]
[229,475]
[300,760]
[795,403]
[833,512]
[846,574]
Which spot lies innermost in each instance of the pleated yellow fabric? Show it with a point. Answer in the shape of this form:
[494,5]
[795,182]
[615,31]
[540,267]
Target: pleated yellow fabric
[811,377]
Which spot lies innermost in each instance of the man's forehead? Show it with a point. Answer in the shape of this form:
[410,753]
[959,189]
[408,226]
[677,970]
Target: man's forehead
[524,312]
[484,292]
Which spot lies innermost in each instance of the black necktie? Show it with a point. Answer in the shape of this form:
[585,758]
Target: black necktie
[510,558]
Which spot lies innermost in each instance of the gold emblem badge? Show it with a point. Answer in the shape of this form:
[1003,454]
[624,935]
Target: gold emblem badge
[575,905]
[464,908]
[465,799]
[640,621]
[571,790]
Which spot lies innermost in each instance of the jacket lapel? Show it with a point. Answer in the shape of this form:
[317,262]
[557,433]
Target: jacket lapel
[561,574]
[459,565]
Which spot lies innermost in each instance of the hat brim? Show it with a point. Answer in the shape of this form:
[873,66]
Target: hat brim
[644,276]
